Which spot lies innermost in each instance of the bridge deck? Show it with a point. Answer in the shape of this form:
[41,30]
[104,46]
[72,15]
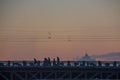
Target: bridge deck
[66,71]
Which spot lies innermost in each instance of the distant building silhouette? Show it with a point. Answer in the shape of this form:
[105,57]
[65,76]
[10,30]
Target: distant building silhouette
[86,58]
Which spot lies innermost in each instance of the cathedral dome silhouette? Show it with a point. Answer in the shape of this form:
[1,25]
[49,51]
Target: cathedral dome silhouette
[86,57]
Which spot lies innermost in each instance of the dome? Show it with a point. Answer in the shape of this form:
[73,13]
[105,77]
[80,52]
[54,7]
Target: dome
[86,58]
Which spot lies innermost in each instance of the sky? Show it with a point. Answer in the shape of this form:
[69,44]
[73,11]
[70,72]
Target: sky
[65,28]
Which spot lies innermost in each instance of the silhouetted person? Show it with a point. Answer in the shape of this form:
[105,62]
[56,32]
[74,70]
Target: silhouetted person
[114,63]
[46,62]
[58,61]
[54,62]
[48,58]
[35,61]
[9,63]
[24,63]
[99,63]
[49,61]
[68,63]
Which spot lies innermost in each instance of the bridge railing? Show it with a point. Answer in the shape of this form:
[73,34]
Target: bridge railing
[59,63]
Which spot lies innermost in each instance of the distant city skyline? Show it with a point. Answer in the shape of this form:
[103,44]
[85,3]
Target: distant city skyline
[65,28]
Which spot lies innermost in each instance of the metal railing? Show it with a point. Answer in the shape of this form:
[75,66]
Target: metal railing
[60,64]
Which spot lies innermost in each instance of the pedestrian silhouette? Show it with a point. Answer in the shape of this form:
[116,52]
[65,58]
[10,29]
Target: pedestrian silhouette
[54,62]
[58,61]
[99,63]
[114,63]
[68,63]
[9,63]
[49,61]
[24,63]
[35,61]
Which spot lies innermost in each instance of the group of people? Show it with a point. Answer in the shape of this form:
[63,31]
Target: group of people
[56,62]
[49,62]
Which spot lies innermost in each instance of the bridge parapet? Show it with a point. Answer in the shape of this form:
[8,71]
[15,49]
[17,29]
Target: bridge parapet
[60,64]
[62,70]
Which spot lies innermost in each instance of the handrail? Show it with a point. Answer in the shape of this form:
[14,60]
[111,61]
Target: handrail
[59,63]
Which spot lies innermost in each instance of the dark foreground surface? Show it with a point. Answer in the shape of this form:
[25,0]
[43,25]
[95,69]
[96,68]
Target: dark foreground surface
[66,71]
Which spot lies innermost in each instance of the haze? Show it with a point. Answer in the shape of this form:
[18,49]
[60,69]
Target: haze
[65,28]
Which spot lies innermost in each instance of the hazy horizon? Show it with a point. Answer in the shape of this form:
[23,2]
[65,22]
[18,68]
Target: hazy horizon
[65,28]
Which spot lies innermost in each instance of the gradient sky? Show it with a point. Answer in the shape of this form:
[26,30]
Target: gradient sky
[75,27]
